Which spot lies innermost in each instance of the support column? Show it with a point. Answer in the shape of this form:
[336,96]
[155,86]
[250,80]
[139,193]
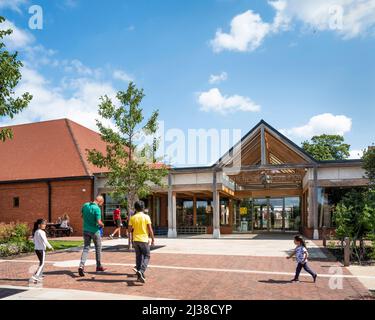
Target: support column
[230,212]
[216,208]
[315,203]
[172,232]
[194,210]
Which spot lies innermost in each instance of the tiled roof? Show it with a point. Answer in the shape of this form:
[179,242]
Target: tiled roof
[49,149]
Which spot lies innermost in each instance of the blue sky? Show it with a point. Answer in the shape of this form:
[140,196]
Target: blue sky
[281,63]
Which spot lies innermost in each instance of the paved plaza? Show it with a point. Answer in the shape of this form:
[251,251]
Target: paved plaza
[245,268]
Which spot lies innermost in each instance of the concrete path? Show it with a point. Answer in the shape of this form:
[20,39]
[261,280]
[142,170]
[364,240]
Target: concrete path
[253,245]
[365,274]
[30,293]
[247,268]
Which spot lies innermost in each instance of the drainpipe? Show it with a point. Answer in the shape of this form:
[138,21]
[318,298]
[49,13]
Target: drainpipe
[49,201]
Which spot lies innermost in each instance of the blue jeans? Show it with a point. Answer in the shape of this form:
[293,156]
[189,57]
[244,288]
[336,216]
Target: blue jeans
[87,237]
[306,267]
[142,255]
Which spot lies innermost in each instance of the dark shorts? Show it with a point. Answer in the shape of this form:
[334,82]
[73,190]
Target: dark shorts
[118,223]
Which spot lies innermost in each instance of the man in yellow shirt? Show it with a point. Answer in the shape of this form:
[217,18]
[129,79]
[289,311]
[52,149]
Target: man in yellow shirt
[140,226]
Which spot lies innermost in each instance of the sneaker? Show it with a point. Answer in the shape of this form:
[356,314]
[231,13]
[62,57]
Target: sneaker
[141,277]
[135,269]
[294,280]
[314,277]
[81,272]
[35,278]
[100,269]
[111,237]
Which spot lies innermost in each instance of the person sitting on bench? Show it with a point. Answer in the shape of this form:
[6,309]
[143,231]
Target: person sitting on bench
[65,223]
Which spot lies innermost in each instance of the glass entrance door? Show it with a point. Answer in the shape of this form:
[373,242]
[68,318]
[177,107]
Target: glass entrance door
[260,214]
[268,214]
[276,216]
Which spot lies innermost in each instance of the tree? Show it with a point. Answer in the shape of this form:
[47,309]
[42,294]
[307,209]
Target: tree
[369,165]
[10,76]
[354,217]
[132,168]
[327,147]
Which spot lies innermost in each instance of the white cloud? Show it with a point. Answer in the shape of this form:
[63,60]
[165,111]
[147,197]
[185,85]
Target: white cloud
[122,76]
[75,97]
[49,102]
[18,38]
[347,18]
[246,33]
[217,78]
[356,154]
[213,100]
[325,123]
[12,4]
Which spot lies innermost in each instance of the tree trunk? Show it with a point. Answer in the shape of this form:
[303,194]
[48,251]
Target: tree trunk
[132,199]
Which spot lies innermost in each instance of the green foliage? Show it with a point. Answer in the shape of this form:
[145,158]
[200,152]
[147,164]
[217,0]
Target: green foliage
[369,165]
[355,218]
[10,75]
[14,239]
[327,147]
[131,167]
[14,232]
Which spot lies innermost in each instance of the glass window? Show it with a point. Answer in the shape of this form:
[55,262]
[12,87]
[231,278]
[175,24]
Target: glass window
[292,213]
[204,213]
[16,202]
[328,198]
[109,206]
[224,212]
[184,213]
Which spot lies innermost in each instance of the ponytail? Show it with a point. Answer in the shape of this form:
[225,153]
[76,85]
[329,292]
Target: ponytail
[300,240]
[37,223]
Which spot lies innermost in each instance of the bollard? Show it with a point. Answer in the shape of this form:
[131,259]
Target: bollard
[324,236]
[346,252]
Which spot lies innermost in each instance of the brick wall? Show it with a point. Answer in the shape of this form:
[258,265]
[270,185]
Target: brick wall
[67,197]
[33,202]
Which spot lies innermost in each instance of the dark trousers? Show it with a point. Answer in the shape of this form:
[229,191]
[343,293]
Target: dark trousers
[95,237]
[142,255]
[41,254]
[306,267]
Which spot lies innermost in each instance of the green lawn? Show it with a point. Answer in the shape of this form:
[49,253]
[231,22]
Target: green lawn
[64,244]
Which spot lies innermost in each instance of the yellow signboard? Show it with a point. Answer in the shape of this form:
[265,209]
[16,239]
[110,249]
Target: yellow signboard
[243,211]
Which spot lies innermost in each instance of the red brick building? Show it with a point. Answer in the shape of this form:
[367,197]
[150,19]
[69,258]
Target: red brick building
[44,172]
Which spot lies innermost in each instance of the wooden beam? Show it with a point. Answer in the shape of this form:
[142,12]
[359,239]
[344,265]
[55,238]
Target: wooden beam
[263,157]
[268,167]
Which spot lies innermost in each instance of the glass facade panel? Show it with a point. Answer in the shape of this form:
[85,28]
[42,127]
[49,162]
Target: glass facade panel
[204,213]
[276,212]
[184,213]
[224,212]
[292,213]
[268,214]
[328,198]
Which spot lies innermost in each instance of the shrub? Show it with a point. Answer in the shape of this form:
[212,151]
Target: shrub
[14,239]
[14,232]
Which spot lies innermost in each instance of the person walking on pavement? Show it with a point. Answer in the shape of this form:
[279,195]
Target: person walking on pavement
[117,221]
[92,223]
[140,226]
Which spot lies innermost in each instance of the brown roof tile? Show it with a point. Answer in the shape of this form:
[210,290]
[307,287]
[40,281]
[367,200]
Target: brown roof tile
[49,149]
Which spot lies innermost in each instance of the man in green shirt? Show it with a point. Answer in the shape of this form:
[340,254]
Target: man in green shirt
[92,222]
